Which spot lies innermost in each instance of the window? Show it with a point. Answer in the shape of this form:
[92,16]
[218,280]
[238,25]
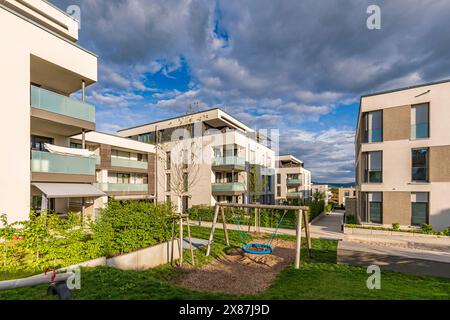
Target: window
[168,160]
[185,182]
[123,178]
[278,191]
[375,207]
[120,154]
[278,178]
[420,121]
[373,126]
[147,137]
[419,208]
[75,145]
[168,199]
[167,181]
[142,157]
[420,164]
[373,172]
[347,194]
[37,143]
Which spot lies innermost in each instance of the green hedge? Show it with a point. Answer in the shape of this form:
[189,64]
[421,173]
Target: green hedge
[47,241]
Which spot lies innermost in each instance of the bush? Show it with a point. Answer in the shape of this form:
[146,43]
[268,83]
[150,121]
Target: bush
[126,226]
[426,227]
[447,231]
[329,207]
[350,219]
[396,226]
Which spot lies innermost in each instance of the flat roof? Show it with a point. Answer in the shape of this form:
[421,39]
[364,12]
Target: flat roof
[406,88]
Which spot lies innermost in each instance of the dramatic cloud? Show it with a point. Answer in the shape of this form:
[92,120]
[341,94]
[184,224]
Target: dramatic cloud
[299,66]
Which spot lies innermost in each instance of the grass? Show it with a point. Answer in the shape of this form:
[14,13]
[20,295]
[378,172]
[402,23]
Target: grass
[318,278]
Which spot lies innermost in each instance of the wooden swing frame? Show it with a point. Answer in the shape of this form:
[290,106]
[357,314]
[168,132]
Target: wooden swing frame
[301,216]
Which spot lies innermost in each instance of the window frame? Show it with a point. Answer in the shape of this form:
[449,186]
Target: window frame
[427,178]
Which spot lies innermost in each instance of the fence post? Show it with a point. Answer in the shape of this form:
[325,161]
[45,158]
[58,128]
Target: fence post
[299,239]
[211,235]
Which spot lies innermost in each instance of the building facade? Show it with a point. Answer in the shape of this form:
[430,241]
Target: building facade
[403,157]
[125,168]
[345,193]
[209,157]
[322,188]
[42,66]
[293,181]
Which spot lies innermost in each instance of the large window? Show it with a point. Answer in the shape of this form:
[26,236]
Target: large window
[420,164]
[120,154]
[373,126]
[167,181]
[168,160]
[373,172]
[420,121]
[278,178]
[375,207]
[419,208]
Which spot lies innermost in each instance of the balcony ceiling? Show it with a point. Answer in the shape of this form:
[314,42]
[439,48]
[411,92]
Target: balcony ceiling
[56,78]
[52,127]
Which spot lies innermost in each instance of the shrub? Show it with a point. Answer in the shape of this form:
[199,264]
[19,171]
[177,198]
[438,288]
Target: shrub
[350,219]
[329,207]
[126,226]
[426,227]
[447,231]
[396,226]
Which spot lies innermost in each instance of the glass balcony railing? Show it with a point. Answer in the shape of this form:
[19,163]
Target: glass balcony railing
[231,160]
[50,101]
[294,194]
[57,163]
[293,182]
[128,163]
[419,131]
[228,187]
[122,187]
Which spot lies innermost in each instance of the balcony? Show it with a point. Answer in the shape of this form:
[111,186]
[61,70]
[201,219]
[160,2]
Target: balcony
[53,102]
[122,187]
[297,195]
[46,162]
[229,188]
[129,163]
[228,163]
[293,182]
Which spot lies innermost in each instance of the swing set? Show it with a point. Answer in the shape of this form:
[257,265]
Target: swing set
[261,248]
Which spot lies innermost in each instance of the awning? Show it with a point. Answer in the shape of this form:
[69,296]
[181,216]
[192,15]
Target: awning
[69,190]
[68,151]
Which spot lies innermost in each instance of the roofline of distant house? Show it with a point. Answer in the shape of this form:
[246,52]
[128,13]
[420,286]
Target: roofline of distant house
[173,118]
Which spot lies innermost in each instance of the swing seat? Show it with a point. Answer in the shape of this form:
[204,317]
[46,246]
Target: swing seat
[257,248]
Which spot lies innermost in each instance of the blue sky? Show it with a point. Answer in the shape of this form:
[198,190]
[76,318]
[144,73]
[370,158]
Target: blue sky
[296,66]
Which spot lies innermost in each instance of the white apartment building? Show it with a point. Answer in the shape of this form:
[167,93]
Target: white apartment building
[233,163]
[125,168]
[42,66]
[293,181]
[403,157]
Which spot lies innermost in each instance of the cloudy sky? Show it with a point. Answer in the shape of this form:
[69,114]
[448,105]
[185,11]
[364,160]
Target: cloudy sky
[294,65]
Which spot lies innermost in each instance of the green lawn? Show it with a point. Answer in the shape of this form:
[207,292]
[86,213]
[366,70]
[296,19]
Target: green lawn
[318,278]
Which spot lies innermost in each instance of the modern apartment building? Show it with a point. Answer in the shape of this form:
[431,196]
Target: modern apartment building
[293,181]
[42,66]
[209,156]
[345,193]
[403,156]
[322,188]
[125,168]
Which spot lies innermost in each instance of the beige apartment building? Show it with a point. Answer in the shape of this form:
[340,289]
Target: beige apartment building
[42,66]
[293,181]
[125,168]
[322,188]
[208,157]
[403,156]
[345,193]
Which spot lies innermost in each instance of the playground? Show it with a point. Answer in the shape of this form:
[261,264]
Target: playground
[225,271]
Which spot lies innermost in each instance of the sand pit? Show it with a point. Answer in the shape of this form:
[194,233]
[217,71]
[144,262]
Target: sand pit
[239,272]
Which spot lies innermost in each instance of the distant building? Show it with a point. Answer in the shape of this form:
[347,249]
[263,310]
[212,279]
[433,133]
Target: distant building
[344,193]
[293,181]
[323,188]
